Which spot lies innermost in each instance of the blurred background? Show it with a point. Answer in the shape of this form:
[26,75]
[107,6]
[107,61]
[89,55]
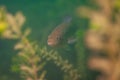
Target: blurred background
[42,16]
[87,28]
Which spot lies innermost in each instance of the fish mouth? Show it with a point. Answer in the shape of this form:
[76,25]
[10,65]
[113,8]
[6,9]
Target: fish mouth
[51,43]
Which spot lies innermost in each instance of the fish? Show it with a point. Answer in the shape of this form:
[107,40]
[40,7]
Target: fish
[56,36]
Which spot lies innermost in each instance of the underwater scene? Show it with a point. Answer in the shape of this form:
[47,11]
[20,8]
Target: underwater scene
[60,40]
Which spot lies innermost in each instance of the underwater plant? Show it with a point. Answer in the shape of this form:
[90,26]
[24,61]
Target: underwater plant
[81,54]
[103,38]
[31,59]
[28,60]
[65,66]
[3,21]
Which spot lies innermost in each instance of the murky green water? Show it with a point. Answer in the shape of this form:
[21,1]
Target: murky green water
[42,16]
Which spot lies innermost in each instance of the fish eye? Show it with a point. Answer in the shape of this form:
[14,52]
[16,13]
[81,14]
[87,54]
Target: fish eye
[57,38]
[60,38]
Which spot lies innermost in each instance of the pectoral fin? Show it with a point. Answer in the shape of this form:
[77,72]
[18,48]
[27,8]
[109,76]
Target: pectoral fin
[71,40]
